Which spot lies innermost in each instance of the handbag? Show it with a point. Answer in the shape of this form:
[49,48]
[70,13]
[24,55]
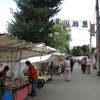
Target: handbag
[31,79]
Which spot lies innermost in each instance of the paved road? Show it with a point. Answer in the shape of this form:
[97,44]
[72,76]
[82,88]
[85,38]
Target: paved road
[81,87]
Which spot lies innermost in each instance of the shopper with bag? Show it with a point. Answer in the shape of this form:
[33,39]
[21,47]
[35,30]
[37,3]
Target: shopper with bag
[32,78]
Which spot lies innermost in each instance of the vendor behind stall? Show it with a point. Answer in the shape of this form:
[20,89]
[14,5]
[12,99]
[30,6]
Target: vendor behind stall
[3,78]
[32,77]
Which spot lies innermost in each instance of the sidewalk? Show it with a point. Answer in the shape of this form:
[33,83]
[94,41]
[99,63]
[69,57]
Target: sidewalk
[81,87]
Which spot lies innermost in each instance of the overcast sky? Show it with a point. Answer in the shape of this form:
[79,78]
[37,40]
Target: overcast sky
[71,10]
[79,10]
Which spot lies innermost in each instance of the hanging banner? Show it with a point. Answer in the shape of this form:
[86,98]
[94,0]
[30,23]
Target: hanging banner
[67,22]
[84,24]
[92,29]
[75,24]
[57,20]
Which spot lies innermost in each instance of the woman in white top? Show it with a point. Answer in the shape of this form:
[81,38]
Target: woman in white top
[88,65]
[67,69]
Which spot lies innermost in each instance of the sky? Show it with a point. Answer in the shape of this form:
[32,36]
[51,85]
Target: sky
[77,10]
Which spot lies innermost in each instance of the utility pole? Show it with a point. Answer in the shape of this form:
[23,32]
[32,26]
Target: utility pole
[90,38]
[90,44]
[98,37]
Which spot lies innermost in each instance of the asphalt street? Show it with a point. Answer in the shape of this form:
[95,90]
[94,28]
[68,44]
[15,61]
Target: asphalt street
[81,87]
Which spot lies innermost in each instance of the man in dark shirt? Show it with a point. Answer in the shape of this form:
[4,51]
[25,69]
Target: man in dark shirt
[71,64]
[3,78]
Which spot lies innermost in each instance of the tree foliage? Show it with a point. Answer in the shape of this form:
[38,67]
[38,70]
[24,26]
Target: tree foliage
[81,50]
[61,36]
[33,19]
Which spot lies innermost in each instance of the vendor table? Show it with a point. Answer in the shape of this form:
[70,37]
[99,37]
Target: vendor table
[22,93]
[42,80]
[45,77]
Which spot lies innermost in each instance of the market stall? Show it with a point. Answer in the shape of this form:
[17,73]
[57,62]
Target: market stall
[20,89]
[23,92]
[13,50]
[43,64]
[45,50]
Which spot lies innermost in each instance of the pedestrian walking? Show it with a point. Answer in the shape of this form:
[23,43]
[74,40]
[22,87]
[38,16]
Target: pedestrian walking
[83,65]
[71,64]
[67,68]
[61,66]
[88,65]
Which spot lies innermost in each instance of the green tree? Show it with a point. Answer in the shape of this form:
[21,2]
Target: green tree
[33,19]
[86,50]
[77,51]
[81,50]
[60,37]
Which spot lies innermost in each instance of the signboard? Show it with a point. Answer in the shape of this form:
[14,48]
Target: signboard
[92,29]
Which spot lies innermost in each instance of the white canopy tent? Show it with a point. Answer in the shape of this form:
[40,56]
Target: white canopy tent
[46,49]
[37,60]
[46,58]
[10,47]
[13,50]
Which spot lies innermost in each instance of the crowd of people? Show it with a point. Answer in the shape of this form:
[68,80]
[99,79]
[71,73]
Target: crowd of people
[65,66]
[86,64]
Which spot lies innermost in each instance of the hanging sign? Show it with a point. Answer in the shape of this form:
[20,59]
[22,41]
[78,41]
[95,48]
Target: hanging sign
[92,30]
[75,24]
[84,24]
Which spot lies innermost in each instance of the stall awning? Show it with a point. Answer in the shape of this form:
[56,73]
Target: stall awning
[10,47]
[46,49]
[46,58]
